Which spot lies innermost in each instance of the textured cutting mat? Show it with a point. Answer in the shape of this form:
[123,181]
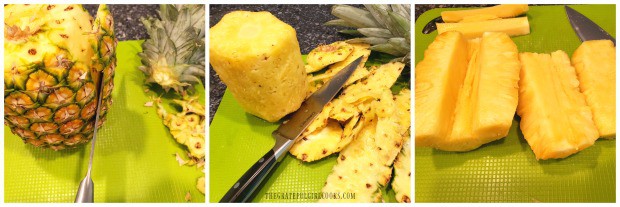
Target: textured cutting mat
[506,170]
[133,161]
[238,139]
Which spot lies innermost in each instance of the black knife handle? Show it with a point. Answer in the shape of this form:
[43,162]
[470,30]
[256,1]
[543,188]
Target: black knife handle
[243,189]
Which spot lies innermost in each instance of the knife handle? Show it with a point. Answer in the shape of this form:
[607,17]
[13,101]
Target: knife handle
[243,189]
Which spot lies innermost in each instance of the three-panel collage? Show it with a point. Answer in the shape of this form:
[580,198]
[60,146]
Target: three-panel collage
[461,104]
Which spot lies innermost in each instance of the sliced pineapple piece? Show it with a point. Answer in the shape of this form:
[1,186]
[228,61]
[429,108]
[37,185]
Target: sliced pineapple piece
[499,11]
[325,55]
[318,144]
[595,63]
[555,120]
[438,78]
[513,27]
[479,18]
[488,99]
[402,173]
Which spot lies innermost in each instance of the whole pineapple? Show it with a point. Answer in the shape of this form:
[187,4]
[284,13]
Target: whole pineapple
[54,60]
[385,27]
[174,56]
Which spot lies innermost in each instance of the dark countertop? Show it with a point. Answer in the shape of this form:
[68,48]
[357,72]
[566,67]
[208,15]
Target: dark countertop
[306,19]
[127,24]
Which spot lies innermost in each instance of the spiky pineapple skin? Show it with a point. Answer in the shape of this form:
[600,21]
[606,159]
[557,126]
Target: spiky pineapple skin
[54,55]
[595,63]
[555,120]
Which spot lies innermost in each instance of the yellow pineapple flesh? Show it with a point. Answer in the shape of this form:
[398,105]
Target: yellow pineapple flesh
[257,56]
[438,78]
[488,99]
[595,63]
[555,120]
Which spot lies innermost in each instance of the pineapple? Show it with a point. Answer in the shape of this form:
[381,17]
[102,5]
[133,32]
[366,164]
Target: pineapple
[402,173]
[486,97]
[174,56]
[438,78]
[595,64]
[257,56]
[319,143]
[555,120]
[513,27]
[55,56]
[385,27]
[188,126]
[325,55]
[494,12]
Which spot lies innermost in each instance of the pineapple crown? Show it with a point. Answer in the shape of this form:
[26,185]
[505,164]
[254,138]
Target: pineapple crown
[174,56]
[385,27]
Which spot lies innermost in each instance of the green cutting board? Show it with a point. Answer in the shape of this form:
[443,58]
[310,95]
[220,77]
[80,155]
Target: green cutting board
[237,140]
[133,160]
[506,170]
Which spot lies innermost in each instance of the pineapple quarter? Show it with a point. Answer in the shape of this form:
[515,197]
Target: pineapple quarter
[438,78]
[471,98]
[595,63]
[52,62]
[555,120]
[257,56]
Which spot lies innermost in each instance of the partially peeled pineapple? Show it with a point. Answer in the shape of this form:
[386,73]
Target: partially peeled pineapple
[55,56]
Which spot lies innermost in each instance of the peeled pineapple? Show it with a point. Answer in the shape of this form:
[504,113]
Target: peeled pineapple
[257,56]
[55,56]
[486,97]
[555,120]
[595,64]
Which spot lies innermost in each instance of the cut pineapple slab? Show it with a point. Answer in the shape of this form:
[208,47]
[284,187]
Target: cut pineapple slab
[488,99]
[478,104]
[438,79]
[595,63]
[499,11]
[512,26]
[555,120]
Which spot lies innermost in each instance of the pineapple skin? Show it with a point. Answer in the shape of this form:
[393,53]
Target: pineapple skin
[595,63]
[402,173]
[53,58]
[555,120]
[438,78]
[488,99]
[257,56]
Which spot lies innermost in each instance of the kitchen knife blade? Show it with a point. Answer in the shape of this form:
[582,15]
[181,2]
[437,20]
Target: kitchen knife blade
[585,28]
[286,135]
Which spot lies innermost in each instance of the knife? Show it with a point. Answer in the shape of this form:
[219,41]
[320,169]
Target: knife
[86,191]
[585,28]
[286,135]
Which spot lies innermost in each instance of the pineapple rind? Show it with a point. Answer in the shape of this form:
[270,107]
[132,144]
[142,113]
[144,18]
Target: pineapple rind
[595,63]
[555,120]
[402,173]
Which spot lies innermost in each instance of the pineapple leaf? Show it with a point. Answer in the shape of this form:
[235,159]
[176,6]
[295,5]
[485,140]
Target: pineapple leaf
[368,40]
[400,44]
[355,16]
[375,32]
[352,32]
[402,24]
[386,48]
[339,22]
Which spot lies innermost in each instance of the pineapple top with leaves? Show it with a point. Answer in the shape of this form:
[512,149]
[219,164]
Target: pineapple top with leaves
[174,56]
[385,27]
